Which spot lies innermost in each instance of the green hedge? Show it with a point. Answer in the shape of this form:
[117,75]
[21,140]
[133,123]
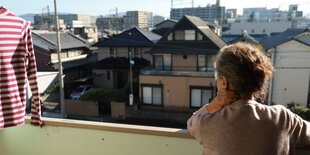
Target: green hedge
[302,111]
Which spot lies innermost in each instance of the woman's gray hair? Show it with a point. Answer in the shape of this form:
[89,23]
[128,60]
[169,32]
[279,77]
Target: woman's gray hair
[246,68]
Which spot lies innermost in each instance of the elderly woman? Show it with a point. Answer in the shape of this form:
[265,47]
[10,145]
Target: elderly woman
[234,123]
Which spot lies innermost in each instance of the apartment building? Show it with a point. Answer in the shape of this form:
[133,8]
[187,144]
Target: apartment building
[211,13]
[141,19]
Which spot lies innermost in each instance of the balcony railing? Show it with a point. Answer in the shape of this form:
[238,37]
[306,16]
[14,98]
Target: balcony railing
[73,137]
[176,73]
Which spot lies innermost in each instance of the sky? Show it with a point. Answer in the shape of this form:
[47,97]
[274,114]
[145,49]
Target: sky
[158,7]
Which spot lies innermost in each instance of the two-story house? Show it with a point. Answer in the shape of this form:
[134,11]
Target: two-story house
[76,55]
[182,76]
[290,54]
[115,53]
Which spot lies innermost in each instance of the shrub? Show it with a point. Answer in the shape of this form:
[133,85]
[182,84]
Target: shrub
[302,111]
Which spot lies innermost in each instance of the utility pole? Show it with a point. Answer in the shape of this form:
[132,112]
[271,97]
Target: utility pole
[131,62]
[61,83]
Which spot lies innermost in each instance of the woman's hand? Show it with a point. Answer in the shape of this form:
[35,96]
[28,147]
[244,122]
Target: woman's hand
[223,98]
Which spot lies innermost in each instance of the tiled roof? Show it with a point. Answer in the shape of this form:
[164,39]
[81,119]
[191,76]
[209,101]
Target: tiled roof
[211,44]
[161,31]
[167,20]
[132,37]
[281,38]
[232,38]
[67,39]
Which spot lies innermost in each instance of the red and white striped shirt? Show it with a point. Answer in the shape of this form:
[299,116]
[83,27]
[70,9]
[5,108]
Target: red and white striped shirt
[17,65]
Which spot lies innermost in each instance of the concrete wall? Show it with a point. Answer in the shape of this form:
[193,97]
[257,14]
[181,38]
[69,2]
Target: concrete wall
[176,92]
[83,108]
[291,79]
[118,110]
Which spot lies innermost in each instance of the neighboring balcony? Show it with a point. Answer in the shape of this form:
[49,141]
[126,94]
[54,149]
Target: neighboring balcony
[74,137]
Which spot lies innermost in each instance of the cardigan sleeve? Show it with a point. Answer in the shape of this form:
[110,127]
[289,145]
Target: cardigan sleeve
[194,125]
[300,130]
[31,70]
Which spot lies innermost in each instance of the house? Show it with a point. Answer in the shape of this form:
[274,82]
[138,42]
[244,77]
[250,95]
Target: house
[290,53]
[163,27]
[244,37]
[76,54]
[182,75]
[114,56]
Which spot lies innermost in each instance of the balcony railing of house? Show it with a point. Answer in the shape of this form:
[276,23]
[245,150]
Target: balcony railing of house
[150,71]
[73,137]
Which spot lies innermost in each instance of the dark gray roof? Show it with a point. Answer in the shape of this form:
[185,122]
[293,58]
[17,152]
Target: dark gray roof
[254,38]
[210,44]
[134,37]
[167,20]
[281,38]
[67,39]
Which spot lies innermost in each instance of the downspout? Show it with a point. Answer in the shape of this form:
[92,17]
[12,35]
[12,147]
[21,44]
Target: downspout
[271,81]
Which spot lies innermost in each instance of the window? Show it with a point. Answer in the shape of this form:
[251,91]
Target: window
[152,95]
[158,62]
[200,96]
[205,63]
[162,62]
[108,75]
[113,51]
[190,35]
[183,35]
[137,52]
[130,51]
[199,36]
[170,36]
[210,61]
[202,62]
[64,54]
[179,35]
[73,53]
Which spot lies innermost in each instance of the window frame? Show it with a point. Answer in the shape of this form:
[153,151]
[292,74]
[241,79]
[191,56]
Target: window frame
[113,52]
[152,86]
[163,67]
[208,59]
[208,88]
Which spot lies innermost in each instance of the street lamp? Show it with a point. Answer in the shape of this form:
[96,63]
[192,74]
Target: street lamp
[131,62]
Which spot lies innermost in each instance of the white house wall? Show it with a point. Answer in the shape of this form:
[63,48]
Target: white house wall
[291,85]
[291,79]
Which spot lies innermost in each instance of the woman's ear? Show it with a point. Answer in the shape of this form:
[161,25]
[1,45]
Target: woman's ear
[222,82]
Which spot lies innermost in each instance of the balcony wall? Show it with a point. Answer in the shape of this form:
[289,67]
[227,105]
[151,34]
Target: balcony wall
[72,137]
[60,137]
